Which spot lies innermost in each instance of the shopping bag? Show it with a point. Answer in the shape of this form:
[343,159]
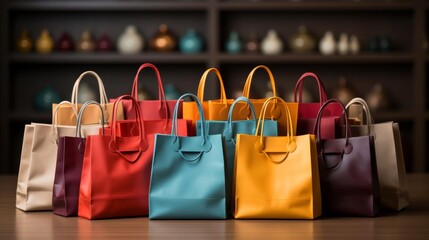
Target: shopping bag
[229,130]
[69,167]
[188,175]
[38,161]
[66,115]
[392,176]
[348,172]
[275,111]
[276,176]
[216,109]
[116,171]
[152,109]
[307,112]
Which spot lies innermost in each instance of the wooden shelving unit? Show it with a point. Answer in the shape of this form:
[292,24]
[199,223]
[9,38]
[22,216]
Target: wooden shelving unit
[403,71]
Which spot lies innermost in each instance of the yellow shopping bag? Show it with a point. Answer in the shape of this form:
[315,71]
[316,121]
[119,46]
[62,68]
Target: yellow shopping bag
[276,176]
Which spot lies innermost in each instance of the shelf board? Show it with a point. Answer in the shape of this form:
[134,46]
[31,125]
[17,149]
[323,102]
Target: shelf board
[123,5]
[316,6]
[111,57]
[315,58]
[30,116]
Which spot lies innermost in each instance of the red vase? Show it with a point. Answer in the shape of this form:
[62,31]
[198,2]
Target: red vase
[65,43]
[104,43]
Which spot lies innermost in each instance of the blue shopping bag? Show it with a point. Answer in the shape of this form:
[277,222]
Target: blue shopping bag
[188,174]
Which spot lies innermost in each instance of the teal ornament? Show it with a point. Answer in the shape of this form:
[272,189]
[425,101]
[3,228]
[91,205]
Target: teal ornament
[171,92]
[384,44]
[45,97]
[373,44]
[233,44]
[191,42]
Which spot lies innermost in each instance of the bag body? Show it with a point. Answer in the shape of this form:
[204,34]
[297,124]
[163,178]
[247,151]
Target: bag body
[66,115]
[116,172]
[348,172]
[276,177]
[392,176]
[188,175]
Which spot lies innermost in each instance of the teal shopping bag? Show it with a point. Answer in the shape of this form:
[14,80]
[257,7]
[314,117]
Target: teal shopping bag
[229,130]
[188,174]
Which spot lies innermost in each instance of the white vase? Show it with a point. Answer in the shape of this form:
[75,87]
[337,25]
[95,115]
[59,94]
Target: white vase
[354,45]
[85,93]
[343,44]
[271,44]
[327,44]
[130,42]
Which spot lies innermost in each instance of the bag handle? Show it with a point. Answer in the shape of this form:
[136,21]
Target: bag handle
[291,146]
[369,119]
[54,129]
[101,89]
[205,144]
[228,130]
[348,147]
[298,88]
[202,85]
[246,89]
[79,131]
[162,100]
[142,142]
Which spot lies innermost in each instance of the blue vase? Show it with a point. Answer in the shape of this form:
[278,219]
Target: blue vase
[191,42]
[45,97]
[233,44]
[171,92]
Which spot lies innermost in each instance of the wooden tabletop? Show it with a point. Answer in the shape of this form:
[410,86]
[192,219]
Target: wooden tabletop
[410,224]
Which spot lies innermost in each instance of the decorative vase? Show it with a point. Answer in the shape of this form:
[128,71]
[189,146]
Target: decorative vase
[143,95]
[65,43]
[163,40]
[271,44]
[233,44]
[252,44]
[384,44]
[45,97]
[104,44]
[191,42]
[44,43]
[302,41]
[373,44]
[86,93]
[343,92]
[343,44]
[24,43]
[354,45]
[130,42]
[377,98]
[86,43]
[171,92]
[327,44]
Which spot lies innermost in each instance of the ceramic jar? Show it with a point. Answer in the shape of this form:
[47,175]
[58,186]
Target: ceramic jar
[65,43]
[130,42]
[163,40]
[104,43]
[302,41]
[45,97]
[271,44]
[233,44]
[343,92]
[327,44]
[252,44]
[44,43]
[86,43]
[343,44]
[354,45]
[377,98]
[191,42]
[24,43]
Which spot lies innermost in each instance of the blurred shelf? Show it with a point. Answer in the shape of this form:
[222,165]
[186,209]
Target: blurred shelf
[111,57]
[30,116]
[315,58]
[124,5]
[317,5]
[392,115]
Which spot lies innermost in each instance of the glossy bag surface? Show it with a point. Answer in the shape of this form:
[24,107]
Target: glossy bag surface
[68,169]
[151,109]
[276,177]
[348,173]
[38,161]
[188,175]
[392,176]
[66,115]
[275,110]
[116,172]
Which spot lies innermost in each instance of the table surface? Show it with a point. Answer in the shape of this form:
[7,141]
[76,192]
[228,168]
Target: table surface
[411,223]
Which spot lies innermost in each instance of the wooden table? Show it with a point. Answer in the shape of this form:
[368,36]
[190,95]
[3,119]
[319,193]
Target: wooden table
[412,223]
